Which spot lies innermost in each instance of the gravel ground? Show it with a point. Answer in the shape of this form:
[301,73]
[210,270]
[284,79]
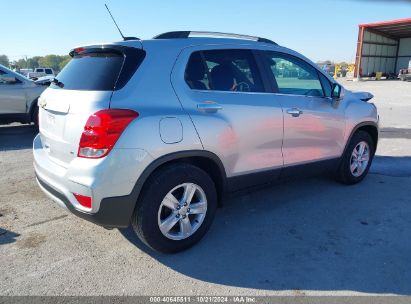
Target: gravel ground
[308,237]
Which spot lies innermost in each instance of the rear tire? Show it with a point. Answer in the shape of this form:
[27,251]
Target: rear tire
[357,159]
[173,184]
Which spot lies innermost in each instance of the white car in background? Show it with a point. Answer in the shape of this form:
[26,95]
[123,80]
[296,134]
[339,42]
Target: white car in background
[41,72]
[18,97]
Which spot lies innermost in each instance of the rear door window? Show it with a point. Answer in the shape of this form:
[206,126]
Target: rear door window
[224,70]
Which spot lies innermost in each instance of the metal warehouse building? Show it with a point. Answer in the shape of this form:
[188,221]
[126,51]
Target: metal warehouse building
[383,47]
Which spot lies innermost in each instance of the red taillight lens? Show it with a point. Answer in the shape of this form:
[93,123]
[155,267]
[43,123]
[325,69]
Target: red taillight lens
[102,130]
[85,201]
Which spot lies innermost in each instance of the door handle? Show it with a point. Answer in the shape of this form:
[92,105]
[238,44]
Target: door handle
[294,112]
[209,107]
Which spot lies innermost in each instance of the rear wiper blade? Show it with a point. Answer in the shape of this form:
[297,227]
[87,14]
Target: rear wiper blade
[58,83]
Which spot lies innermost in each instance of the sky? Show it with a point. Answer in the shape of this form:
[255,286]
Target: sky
[320,29]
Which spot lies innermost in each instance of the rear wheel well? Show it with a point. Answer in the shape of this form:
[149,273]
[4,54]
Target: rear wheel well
[373,131]
[32,110]
[206,164]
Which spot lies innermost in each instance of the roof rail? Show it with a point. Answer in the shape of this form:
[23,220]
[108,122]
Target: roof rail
[187,34]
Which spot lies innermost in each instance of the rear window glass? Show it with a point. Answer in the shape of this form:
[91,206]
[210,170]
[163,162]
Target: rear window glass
[91,72]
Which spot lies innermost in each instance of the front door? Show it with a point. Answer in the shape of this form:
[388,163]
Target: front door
[314,123]
[12,94]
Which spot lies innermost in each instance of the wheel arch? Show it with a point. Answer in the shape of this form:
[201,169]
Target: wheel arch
[207,161]
[370,127]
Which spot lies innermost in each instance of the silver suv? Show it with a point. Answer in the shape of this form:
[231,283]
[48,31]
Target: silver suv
[154,132]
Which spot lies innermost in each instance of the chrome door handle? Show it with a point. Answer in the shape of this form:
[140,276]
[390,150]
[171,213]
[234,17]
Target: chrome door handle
[209,107]
[294,112]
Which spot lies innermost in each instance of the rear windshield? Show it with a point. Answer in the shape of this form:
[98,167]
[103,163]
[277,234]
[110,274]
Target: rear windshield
[98,71]
[91,71]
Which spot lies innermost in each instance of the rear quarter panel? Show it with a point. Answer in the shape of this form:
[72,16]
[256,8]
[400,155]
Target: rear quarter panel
[150,93]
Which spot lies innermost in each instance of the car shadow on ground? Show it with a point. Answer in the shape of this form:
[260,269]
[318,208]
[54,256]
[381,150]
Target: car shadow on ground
[311,234]
[7,237]
[17,137]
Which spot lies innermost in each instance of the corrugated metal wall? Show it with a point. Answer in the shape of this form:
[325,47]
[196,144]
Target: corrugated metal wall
[378,54]
[404,53]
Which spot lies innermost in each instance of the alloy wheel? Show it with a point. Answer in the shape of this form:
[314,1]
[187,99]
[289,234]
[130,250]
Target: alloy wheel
[182,211]
[360,158]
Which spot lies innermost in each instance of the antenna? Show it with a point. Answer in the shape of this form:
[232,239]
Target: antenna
[115,23]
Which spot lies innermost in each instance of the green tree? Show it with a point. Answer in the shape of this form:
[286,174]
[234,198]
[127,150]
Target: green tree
[4,60]
[63,63]
[33,62]
[21,63]
[56,62]
[50,61]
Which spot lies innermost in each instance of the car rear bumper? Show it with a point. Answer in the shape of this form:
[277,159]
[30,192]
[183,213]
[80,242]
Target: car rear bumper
[109,182]
[114,212]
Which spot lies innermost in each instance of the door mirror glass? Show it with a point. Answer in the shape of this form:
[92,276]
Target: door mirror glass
[336,91]
[5,79]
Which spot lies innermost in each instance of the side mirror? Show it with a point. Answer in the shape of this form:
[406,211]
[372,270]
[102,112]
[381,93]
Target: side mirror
[8,79]
[337,91]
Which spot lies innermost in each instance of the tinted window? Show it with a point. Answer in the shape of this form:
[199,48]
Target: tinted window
[223,70]
[2,77]
[294,76]
[91,71]
[48,71]
[39,70]
[8,79]
[195,73]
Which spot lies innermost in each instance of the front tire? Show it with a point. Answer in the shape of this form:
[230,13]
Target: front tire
[176,208]
[357,159]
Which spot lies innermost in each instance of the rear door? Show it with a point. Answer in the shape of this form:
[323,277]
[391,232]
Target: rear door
[235,116]
[314,123]
[83,87]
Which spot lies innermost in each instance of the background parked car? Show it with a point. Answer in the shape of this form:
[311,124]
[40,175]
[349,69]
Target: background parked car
[23,72]
[40,72]
[18,97]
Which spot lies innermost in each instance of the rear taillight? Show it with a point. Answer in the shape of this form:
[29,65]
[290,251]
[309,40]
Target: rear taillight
[85,201]
[102,130]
